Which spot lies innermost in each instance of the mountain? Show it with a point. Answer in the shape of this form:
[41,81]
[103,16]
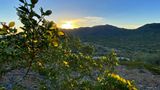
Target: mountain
[145,32]
[144,38]
[103,30]
[154,27]
[109,30]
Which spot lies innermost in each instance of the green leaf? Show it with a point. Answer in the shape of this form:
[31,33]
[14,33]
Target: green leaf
[3,32]
[42,11]
[13,30]
[2,88]
[35,14]
[50,24]
[34,1]
[22,1]
[24,9]
[48,12]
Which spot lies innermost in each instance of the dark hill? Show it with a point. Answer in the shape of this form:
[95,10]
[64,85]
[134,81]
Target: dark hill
[152,27]
[144,38]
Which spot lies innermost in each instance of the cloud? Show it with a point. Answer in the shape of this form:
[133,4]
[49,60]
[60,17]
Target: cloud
[85,21]
[129,25]
[89,21]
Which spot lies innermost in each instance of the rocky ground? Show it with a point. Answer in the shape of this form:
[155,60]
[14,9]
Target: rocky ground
[15,77]
[143,79]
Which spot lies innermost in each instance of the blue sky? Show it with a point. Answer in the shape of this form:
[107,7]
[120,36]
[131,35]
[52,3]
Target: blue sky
[122,13]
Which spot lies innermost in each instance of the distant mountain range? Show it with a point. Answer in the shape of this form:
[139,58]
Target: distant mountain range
[109,30]
[146,37]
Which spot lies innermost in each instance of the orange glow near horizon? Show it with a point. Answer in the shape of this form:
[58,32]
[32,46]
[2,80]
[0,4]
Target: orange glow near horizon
[68,25]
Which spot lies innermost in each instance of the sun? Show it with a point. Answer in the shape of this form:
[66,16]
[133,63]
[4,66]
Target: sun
[67,25]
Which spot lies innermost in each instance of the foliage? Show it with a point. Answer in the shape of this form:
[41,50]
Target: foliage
[150,58]
[128,42]
[65,62]
[139,64]
[9,48]
[69,70]
[37,34]
[117,82]
[2,88]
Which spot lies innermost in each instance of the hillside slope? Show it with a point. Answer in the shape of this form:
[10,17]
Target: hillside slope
[145,38]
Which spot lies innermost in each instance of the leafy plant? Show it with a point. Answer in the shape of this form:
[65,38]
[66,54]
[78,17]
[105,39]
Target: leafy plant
[38,33]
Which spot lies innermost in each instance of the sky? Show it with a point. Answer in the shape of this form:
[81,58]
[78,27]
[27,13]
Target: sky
[86,13]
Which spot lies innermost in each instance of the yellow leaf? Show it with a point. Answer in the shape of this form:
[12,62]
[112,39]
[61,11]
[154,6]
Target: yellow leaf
[35,41]
[11,24]
[129,83]
[65,62]
[60,33]
[98,78]
[55,44]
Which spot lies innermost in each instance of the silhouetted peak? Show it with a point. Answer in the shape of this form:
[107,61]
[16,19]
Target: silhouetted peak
[152,26]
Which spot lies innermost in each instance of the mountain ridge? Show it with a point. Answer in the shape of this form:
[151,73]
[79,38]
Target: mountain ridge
[109,25]
[104,29]
[142,38]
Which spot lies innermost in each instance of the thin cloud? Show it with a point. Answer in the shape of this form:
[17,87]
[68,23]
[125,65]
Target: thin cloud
[89,21]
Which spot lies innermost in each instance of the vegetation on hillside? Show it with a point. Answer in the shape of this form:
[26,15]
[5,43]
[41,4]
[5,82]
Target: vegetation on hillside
[136,44]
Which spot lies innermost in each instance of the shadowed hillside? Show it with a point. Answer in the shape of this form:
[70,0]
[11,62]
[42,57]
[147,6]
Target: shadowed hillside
[147,36]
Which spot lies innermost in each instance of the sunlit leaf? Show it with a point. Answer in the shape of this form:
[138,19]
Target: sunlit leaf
[11,24]
[66,63]
[35,41]
[60,33]
[55,43]
[39,63]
